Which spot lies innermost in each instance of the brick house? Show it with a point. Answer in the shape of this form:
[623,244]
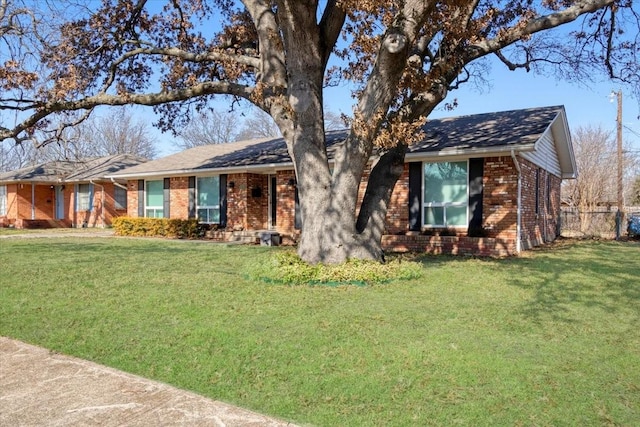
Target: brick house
[65,193]
[486,184]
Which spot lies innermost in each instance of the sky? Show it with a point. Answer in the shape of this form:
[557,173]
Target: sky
[593,105]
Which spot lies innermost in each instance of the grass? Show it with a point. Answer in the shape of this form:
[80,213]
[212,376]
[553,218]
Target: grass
[551,338]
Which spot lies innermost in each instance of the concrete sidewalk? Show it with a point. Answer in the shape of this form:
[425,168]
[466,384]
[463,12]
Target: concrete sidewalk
[42,388]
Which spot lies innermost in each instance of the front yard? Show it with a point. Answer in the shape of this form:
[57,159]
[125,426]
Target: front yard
[551,338]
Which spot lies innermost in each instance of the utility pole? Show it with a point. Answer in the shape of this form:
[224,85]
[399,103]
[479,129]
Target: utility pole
[620,213]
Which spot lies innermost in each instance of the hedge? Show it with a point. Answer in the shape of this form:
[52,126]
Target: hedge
[157,227]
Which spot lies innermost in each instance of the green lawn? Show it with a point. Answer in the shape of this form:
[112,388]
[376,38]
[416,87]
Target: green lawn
[551,338]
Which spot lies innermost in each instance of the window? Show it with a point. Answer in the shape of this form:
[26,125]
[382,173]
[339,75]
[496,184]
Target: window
[154,199]
[120,197]
[3,200]
[446,197]
[208,199]
[84,197]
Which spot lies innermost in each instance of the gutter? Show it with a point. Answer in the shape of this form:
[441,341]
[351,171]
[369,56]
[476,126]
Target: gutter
[519,204]
[117,184]
[101,202]
[270,167]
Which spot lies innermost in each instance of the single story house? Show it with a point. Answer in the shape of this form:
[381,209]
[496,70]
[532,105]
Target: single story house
[65,193]
[486,184]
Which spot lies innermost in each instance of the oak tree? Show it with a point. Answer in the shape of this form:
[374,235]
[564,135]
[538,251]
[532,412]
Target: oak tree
[402,58]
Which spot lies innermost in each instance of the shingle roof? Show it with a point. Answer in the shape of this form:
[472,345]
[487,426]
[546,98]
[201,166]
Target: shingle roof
[506,129]
[72,171]
[490,130]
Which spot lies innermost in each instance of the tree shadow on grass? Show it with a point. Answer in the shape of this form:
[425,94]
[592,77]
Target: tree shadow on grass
[579,275]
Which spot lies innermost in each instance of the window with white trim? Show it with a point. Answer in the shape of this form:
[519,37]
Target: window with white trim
[120,197]
[154,199]
[446,194]
[208,199]
[84,196]
[3,200]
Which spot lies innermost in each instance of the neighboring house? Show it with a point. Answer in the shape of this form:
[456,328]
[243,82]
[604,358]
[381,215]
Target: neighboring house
[65,193]
[487,184]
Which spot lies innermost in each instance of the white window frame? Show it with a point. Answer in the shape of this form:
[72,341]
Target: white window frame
[445,205]
[84,198]
[3,200]
[153,208]
[209,208]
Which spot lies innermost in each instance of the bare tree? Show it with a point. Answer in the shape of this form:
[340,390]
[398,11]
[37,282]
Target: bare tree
[596,186]
[117,133]
[595,152]
[258,125]
[212,127]
[403,58]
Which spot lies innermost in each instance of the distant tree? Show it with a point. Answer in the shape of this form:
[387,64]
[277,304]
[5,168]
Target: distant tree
[596,157]
[211,127]
[117,133]
[635,191]
[258,125]
[595,154]
[402,59]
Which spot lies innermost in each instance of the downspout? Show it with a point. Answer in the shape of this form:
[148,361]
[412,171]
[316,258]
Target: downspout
[519,203]
[101,201]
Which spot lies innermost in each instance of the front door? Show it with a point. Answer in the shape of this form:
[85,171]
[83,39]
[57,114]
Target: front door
[59,197]
[273,199]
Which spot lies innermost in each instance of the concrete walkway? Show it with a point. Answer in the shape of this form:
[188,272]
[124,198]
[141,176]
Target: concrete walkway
[42,388]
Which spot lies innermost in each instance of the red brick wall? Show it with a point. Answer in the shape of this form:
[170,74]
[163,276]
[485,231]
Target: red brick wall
[237,201]
[179,197]
[500,198]
[257,206]
[132,198]
[541,226]
[500,181]
[286,206]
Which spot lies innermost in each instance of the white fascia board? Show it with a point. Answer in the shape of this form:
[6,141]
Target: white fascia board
[269,168]
[454,154]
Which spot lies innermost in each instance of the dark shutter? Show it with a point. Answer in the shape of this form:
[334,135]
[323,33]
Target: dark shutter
[166,202]
[415,196]
[476,167]
[223,200]
[192,197]
[297,217]
[141,198]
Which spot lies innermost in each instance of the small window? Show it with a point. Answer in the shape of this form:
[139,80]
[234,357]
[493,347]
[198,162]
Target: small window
[208,199]
[120,197]
[84,197]
[154,199]
[3,200]
[446,197]
[537,190]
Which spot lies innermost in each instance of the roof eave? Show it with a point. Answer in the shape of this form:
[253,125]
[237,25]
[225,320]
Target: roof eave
[470,152]
[270,167]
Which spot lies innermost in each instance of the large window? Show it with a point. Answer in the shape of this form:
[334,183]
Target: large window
[84,197]
[208,199]
[3,200]
[446,197]
[154,199]
[120,197]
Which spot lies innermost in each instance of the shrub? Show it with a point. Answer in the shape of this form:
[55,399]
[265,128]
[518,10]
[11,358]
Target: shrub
[157,227]
[286,267]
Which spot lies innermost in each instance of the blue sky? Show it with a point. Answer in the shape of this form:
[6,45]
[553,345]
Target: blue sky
[518,89]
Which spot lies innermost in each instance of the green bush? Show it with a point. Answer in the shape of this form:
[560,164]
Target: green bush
[157,227]
[286,267]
